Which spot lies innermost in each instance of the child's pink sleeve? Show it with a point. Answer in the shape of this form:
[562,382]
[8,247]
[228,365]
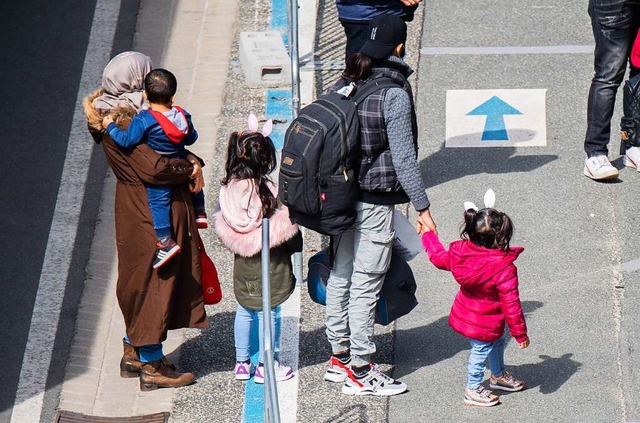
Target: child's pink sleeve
[436,251]
[511,306]
[634,57]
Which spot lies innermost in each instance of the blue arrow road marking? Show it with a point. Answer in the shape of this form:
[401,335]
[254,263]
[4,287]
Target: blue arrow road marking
[494,109]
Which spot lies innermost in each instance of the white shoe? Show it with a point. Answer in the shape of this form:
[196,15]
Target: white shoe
[599,168]
[374,382]
[243,371]
[282,372]
[632,158]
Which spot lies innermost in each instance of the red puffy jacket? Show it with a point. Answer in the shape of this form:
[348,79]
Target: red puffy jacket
[488,293]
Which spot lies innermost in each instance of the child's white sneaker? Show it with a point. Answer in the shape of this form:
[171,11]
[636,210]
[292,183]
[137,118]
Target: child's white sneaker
[243,370]
[506,382]
[632,158]
[480,397]
[282,372]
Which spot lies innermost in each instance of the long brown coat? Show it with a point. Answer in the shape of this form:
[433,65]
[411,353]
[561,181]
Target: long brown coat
[152,301]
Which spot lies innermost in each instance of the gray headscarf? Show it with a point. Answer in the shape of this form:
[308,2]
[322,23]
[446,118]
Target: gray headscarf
[123,82]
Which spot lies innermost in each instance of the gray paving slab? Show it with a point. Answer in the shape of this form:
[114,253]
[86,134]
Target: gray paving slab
[576,232]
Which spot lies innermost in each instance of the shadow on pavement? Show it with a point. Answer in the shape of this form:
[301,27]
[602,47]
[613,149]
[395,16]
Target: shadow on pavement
[213,351]
[436,342]
[448,164]
[352,414]
[548,375]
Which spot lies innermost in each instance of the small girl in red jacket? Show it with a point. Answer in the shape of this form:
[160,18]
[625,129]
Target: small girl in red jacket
[482,263]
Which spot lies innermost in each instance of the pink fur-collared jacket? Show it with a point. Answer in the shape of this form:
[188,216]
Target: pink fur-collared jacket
[238,224]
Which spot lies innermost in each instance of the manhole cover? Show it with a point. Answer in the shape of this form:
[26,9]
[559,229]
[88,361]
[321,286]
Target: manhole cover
[70,417]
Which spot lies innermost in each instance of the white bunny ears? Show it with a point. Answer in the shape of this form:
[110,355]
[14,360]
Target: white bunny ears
[252,122]
[489,201]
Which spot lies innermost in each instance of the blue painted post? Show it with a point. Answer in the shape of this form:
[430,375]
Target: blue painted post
[271,408]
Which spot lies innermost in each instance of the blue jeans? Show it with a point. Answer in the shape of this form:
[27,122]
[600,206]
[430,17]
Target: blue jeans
[148,353]
[362,259]
[615,24]
[480,352]
[242,333]
[159,197]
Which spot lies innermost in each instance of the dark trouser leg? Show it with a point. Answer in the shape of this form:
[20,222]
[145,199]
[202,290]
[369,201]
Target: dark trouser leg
[356,33]
[613,24]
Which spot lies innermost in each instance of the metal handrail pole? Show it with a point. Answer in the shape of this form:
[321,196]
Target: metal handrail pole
[295,98]
[295,57]
[271,409]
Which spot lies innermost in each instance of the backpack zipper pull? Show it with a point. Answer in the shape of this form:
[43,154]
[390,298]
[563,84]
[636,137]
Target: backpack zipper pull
[344,172]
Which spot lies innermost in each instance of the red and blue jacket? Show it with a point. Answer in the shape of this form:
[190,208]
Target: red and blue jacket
[156,130]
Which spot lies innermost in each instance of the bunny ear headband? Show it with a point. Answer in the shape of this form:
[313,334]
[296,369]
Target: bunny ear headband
[489,201]
[252,122]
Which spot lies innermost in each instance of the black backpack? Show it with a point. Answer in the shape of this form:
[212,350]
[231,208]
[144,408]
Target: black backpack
[317,178]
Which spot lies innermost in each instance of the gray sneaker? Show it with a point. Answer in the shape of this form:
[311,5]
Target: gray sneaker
[480,397]
[599,168]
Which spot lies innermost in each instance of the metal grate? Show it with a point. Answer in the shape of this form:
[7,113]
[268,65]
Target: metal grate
[70,417]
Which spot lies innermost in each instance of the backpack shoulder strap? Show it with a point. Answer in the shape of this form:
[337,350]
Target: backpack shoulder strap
[372,86]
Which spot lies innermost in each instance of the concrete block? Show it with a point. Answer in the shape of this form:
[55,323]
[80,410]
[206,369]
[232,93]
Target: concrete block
[264,59]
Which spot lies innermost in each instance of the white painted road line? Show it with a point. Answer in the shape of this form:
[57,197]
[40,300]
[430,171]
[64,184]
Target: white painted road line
[62,235]
[631,266]
[496,118]
[507,50]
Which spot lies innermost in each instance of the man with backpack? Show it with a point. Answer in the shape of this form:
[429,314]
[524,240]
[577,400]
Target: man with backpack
[388,174]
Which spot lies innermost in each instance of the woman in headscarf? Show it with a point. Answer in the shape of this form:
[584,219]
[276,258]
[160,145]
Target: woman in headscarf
[152,301]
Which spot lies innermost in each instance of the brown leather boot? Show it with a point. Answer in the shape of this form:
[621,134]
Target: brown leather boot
[130,364]
[161,374]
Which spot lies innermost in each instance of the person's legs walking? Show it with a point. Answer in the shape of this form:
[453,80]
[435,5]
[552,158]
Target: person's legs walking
[373,239]
[281,372]
[372,246]
[612,22]
[337,315]
[157,372]
[496,357]
[338,285]
[130,364]
[242,336]
[474,393]
[500,378]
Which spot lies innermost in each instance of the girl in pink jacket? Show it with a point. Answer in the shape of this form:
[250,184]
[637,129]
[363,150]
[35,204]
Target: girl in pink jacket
[246,197]
[482,263]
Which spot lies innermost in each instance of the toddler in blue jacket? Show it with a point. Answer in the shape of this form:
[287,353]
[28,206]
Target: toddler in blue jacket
[168,130]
